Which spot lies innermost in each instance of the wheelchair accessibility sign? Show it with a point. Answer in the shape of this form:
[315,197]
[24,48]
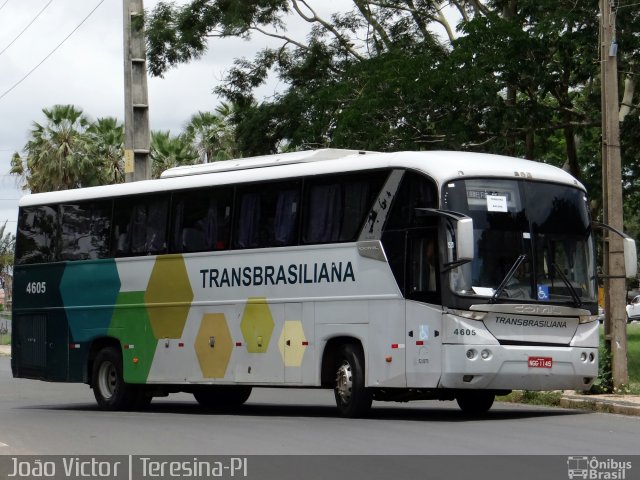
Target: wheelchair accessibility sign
[543,292]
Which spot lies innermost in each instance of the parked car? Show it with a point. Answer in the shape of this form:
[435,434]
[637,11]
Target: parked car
[633,309]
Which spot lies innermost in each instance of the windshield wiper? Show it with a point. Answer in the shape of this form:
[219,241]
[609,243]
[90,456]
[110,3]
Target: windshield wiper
[508,277]
[574,294]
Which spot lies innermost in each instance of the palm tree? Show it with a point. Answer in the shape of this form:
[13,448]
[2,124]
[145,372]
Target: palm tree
[106,139]
[57,153]
[212,134]
[169,151]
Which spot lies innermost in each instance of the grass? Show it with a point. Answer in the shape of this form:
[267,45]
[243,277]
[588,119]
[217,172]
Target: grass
[633,357]
[5,339]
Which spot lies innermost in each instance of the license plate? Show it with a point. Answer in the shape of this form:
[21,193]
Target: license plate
[540,362]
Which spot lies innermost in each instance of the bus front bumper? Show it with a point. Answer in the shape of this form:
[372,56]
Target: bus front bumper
[507,367]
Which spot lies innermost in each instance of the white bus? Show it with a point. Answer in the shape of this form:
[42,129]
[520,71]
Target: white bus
[382,276]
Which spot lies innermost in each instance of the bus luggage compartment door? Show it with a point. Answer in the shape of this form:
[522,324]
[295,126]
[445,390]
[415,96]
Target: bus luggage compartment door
[41,347]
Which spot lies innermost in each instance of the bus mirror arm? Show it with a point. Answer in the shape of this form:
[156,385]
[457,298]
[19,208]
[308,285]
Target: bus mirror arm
[463,235]
[629,246]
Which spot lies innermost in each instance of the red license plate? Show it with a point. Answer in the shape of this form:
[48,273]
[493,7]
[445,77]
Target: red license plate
[540,362]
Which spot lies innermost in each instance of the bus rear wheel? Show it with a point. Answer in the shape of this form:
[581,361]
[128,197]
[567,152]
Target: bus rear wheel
[475,402]
[222,396]
[352,398]
[109,388]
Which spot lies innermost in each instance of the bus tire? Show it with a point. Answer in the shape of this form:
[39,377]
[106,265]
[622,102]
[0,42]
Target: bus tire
[352,398]
[222,396]
[109,388]
[475,402]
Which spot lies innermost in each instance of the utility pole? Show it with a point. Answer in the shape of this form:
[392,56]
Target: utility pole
[137,164]
[614,283]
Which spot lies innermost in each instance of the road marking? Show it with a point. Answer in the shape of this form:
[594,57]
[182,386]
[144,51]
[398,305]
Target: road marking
[3,445]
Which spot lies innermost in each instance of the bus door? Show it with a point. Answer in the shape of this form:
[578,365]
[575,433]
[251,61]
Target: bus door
[423,309]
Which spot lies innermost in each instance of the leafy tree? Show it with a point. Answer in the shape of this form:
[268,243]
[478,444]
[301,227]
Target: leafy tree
[106,143]
[212,134]
[68,151]
[511,76]
[169,151]
[7,247]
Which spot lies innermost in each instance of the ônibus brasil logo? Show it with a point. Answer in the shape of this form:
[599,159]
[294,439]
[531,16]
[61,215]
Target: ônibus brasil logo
[597,469]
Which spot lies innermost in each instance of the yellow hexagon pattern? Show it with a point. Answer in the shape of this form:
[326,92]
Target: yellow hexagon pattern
[293,351]
[168,284]
[257,325]
[213,345]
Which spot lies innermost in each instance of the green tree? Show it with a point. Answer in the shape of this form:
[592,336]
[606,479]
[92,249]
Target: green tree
[7,247]
[69,151]
[169,151]
[106,143]
[56,152]
[519,77]
[212,134]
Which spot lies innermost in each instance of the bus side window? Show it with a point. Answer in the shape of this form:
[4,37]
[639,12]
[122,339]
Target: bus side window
[85,229]
[422,269]
[336,206]
[267,215]
[140,226]
[201,220]
[415,191]
[37,235]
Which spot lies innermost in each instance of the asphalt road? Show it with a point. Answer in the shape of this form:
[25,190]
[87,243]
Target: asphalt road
[43,418]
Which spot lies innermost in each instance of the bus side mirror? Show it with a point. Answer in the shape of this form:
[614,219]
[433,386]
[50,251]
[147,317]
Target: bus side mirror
[630,257]
[464,239]
[629,247]
[464,232]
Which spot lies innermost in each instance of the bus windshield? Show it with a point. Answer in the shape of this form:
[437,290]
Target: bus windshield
[533,239]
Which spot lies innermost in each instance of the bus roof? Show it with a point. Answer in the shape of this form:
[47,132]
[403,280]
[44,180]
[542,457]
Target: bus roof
[442,166]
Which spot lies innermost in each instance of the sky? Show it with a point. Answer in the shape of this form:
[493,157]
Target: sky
[87,71]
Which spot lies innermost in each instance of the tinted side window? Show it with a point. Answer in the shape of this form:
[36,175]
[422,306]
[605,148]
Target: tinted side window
[415,191]
[201,220]
[267,215]
[37,235]
[337,205]
[140,225]
[84,230]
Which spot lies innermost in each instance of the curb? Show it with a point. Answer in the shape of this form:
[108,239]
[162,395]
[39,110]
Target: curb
[604,405]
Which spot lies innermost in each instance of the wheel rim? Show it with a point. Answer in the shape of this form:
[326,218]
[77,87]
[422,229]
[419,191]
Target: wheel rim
[344,382]
[107,379]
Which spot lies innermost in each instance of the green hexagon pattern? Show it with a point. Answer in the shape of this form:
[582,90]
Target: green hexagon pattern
[130,325]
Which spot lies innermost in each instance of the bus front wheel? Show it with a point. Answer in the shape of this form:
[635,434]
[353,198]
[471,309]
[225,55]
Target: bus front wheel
[109,387]
[352,398]
[475,402]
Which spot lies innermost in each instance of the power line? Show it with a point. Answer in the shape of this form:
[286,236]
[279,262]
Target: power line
[25,28]
[52,52]
[1,6]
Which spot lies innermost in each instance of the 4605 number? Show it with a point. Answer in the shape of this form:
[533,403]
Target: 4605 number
[36,288]
[464,331]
